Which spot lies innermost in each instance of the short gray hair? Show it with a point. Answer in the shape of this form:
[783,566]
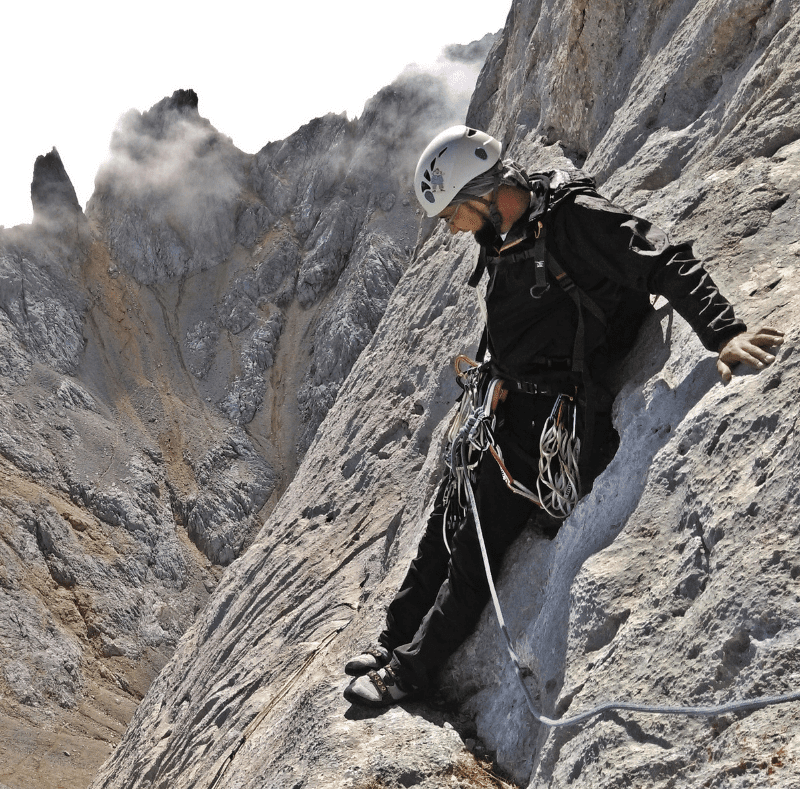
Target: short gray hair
[503,172]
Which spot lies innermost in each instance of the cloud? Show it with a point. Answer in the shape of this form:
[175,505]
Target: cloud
[171,157]
[167,197]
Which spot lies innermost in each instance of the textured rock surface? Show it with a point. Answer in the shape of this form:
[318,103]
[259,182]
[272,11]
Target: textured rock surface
[165,360]
[674,582]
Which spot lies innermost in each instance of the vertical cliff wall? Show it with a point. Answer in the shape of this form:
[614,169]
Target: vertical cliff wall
[675,579]
[675,582]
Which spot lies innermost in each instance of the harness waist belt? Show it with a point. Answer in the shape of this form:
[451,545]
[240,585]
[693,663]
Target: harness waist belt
[529,387]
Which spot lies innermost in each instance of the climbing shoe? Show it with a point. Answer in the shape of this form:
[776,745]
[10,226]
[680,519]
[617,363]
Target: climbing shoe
[373,658]
[379,688]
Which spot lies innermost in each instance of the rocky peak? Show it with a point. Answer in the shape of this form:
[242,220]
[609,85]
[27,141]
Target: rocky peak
[474,51]
[182,100]
[51,187]
[55,203]
[182,105]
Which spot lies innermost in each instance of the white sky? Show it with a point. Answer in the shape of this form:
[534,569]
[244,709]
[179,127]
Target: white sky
[70,69]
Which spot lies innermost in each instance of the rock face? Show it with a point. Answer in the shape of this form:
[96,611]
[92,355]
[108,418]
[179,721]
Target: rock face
[165,361]
[674,582]
[241,290]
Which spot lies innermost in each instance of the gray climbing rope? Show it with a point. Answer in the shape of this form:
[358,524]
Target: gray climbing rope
[692,711]
[470,437]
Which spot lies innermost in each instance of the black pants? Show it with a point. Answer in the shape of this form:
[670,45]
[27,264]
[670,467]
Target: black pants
[443,594]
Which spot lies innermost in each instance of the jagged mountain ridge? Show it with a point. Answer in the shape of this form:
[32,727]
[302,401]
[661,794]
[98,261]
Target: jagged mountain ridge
[166,359]
[673,582]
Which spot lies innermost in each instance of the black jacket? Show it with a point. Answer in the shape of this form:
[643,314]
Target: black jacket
[616,258]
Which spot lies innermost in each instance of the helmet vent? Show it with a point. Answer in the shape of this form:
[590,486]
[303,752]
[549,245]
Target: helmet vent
[481,154]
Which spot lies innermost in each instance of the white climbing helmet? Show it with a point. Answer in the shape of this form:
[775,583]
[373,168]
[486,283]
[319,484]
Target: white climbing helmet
[449,162]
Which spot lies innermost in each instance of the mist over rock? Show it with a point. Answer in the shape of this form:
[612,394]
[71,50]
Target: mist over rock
[165,360]
[167,198]
[673,583]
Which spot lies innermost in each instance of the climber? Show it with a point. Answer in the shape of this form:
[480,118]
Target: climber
[570,276]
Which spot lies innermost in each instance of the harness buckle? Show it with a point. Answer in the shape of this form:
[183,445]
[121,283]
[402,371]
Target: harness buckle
[541,285]
[537,292]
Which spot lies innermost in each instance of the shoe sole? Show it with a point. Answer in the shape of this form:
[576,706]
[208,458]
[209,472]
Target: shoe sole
[357,699]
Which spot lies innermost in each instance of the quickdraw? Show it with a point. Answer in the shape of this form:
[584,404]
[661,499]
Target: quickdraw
[469,436]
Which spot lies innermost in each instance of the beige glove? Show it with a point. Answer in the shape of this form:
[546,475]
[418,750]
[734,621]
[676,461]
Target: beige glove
[748,348]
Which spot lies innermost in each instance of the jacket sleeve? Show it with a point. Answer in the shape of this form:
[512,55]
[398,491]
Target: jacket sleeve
[634,253]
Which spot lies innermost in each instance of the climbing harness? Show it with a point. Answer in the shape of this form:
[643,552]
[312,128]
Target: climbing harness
[470,435]
[544,264]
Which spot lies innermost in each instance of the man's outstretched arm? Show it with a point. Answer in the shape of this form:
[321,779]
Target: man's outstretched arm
[748,348]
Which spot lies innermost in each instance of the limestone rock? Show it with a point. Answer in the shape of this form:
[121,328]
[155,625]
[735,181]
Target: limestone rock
[348,325]
[156,381]
[233,483]
[674,580]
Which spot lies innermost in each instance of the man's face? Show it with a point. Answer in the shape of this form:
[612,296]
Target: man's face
[467,217]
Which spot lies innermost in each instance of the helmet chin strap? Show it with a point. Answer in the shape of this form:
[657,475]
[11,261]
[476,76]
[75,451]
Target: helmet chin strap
[494,211]
[497,220]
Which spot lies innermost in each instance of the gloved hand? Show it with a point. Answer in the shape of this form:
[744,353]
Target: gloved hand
[748,348]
